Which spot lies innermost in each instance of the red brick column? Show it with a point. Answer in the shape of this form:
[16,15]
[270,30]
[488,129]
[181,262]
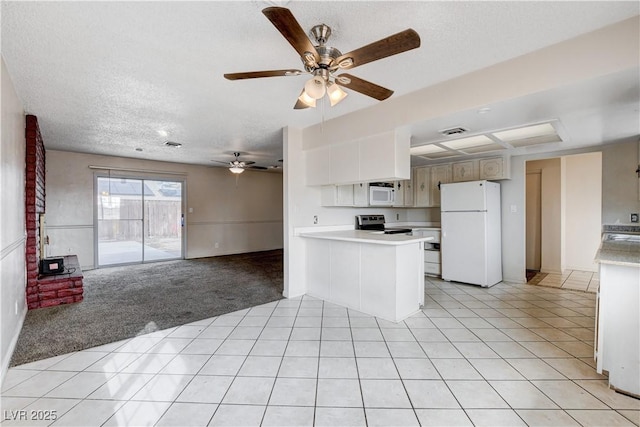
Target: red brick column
[34,204]
[50,290]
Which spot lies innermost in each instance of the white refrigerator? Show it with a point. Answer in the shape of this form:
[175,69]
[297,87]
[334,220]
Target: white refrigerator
[471,241]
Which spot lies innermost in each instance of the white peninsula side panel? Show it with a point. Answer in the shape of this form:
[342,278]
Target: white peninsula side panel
[386,281]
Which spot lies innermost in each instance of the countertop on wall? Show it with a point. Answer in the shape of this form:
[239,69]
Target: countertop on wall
[620,252]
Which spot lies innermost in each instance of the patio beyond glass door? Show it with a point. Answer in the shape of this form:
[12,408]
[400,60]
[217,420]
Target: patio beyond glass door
[138,220]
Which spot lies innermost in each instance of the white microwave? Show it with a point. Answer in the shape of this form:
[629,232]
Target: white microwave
[381,194]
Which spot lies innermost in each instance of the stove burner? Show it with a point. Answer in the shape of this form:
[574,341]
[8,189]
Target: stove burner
[376,223]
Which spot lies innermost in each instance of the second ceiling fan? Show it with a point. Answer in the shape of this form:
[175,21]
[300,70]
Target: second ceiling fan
[322,61]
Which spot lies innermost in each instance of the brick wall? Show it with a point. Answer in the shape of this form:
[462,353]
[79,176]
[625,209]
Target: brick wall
[68,288]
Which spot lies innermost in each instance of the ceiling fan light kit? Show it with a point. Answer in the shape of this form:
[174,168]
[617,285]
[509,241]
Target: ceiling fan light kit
[322,61]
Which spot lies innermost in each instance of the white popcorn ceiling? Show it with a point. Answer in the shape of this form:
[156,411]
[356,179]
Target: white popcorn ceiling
[106,77]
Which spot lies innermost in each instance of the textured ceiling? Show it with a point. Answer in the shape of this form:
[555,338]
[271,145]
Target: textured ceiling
[110,77]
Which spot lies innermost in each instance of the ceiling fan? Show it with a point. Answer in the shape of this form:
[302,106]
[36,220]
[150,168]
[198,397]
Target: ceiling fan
[237,166]
[322,61]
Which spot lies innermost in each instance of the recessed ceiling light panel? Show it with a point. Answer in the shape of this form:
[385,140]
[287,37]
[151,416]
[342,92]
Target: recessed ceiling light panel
[525,132]
[470,142]
[426,149]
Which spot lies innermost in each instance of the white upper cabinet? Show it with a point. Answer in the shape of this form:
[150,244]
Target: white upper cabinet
[318,166]
[383,157]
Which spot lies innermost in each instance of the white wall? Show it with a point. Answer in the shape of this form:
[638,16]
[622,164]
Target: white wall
[583,212]
[12,221]
[620,192]
[242,216]
[551,213]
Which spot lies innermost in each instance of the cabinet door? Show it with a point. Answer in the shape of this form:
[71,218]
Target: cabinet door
[344,195]
[465,171]
[361,194]
[492,168]
[440,174]
[398,186]
[421,186]
[408,192]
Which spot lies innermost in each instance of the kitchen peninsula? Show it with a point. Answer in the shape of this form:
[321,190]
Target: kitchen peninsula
[369,271]
[618,323]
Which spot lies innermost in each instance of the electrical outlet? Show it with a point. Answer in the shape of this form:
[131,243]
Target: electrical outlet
[397,216]
[315,219]
[216,245]
[634,217]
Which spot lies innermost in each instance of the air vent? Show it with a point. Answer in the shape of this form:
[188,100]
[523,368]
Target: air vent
[173,144]
[454,131]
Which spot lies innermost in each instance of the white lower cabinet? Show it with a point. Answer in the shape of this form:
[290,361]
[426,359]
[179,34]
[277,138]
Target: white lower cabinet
[432,264]
[618,327]
[386,281]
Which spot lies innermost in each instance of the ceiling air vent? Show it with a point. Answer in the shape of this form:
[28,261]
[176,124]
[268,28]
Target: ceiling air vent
[454,131]
[173,144]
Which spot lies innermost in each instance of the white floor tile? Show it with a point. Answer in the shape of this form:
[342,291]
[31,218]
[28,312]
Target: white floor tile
[343,393]
[591,418]
[89,413]
[299,367]
[293,392]
[205,389]
[377,368]
[495,418]
[443,418]
[288,416]
[384,394]
[249,391]
[340,417]
[568,395]
[135,413]
[546,417]
[337,367]
[187,415]
[391,417]
[430,394]
[476,394]
[238,415]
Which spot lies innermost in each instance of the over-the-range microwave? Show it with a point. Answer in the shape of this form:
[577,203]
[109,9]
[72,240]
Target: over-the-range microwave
[381,194]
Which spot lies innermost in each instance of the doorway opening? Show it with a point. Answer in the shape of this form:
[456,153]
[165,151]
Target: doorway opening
[138,220]
[563,220]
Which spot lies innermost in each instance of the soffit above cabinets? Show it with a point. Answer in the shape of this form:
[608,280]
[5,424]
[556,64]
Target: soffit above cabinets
[458,144]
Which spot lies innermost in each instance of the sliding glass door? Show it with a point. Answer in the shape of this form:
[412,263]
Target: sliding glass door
[138,220]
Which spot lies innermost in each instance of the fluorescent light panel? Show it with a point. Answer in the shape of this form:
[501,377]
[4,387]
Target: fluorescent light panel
[426,149]
[470,142]
[525,132]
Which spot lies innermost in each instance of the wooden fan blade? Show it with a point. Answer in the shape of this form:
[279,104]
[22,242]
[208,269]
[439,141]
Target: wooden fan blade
[392,45]
[258,74]
[365,87]
[257,167]
[286,23]
[247,163]
[223,163]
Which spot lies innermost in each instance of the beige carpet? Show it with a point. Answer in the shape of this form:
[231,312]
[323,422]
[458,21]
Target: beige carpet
[122,302]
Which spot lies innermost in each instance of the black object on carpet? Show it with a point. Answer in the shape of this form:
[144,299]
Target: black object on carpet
[122,302]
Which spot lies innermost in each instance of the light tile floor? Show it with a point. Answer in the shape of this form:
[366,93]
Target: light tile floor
[508,355]
[586,281]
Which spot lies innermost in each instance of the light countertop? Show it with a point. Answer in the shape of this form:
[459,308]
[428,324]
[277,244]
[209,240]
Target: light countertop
[616,252]
[372,237]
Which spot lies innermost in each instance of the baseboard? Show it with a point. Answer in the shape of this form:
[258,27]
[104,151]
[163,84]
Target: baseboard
[12,347]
